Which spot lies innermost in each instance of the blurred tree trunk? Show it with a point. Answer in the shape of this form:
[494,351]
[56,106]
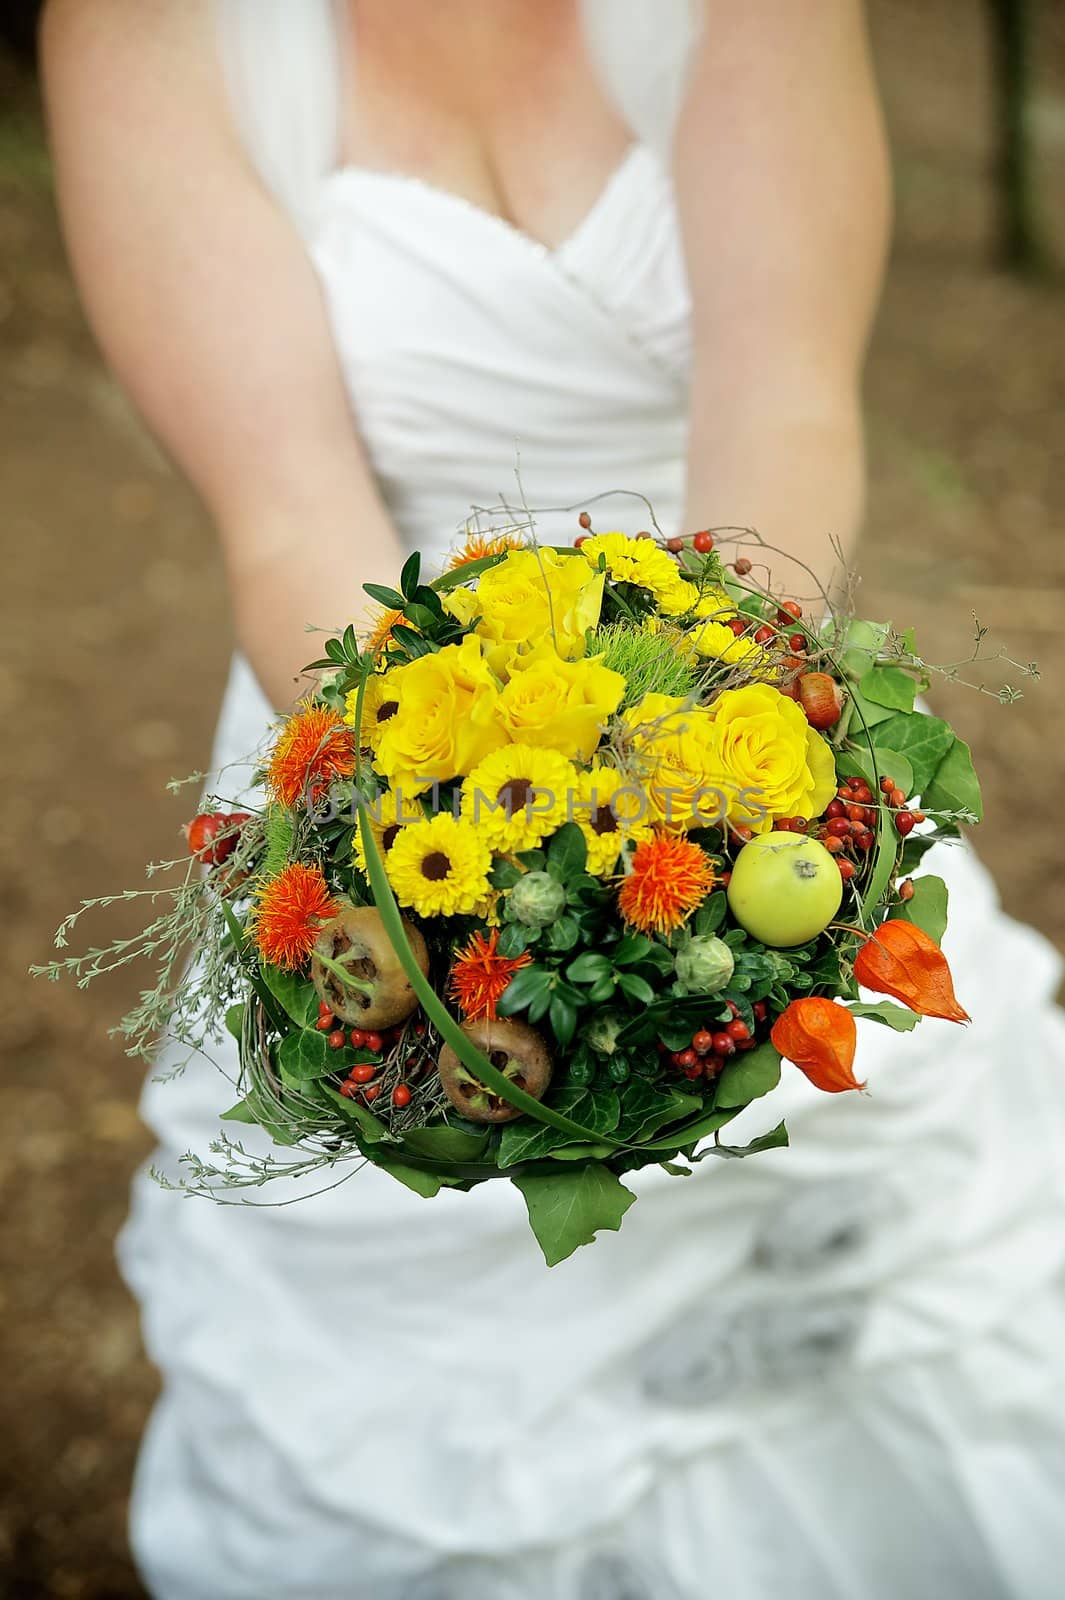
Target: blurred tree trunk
[1020,240]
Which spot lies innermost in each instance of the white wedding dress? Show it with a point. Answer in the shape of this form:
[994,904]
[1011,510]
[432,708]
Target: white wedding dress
[832,1372]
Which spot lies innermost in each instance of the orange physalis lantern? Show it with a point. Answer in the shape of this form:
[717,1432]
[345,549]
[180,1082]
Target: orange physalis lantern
[820,1037]
[901,960]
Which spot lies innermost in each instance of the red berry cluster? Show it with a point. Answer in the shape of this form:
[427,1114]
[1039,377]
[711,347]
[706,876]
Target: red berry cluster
[361,1079]
[905,820]
[846,829]
[712,1046]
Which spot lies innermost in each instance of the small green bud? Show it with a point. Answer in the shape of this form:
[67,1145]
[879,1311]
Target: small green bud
[536,900]
[602,1032]
[704,964]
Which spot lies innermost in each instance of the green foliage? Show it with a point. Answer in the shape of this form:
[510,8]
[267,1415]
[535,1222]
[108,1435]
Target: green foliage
[295,995]
[649,662]
[928,908]
[749,1076]
[568,1208]
[885,1011]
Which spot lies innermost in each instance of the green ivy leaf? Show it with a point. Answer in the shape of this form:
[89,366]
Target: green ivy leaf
[235,1021]
[928,908]
[305,1054]
[597,1110]
[889,686]
[563,934]
[295,995]
[567,1209]
[443,1143]
[749,1075]
[897,1017]
[924,740]
[955,785]
[645,1109]
[427,1184]
[241,1112]
[773,1140]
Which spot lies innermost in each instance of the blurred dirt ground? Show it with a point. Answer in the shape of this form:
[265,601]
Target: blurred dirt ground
[113,641]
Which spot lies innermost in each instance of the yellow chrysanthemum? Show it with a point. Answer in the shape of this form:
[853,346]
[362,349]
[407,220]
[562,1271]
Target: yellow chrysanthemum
[388,813]
[379,705]
[611,810]
[440,867]
[715,601]
[717,642]
[518,795]
[643,563]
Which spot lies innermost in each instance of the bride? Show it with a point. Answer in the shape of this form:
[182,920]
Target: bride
[353,262]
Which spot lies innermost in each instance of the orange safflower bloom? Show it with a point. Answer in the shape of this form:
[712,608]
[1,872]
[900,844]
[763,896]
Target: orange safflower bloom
[820,1037]
[379,634]
[289,915]
[480,975]
[669,878]
[901,960]
[477,545]
[314,750]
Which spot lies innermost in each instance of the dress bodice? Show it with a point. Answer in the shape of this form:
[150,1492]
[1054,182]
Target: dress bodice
[470,349]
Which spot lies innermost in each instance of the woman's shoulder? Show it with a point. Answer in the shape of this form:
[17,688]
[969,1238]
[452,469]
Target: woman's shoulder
[116,61]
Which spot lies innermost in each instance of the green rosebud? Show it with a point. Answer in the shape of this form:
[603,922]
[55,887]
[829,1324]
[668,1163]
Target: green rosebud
[536,900]
[704,964]
[602,1032]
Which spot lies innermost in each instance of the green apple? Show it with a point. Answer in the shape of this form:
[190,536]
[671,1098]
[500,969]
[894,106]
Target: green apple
[785,889]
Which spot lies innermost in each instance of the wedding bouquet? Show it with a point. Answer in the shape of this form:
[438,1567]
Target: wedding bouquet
[550,873]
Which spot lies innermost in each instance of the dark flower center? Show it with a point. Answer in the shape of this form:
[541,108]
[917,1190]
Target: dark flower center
[604,820]
[515,794]
[388,838]
[436,866]
[386,709]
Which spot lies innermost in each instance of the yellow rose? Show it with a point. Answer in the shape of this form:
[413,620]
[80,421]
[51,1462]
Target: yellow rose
[560,705]
[445,721]
[534,595]
[773,761]
[461,604]
[675,748]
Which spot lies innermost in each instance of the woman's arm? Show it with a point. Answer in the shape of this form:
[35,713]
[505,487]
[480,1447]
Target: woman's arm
[207,308]
[784,194]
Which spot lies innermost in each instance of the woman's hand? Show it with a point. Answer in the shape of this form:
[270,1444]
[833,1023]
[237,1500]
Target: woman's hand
[208,309]
[783,187]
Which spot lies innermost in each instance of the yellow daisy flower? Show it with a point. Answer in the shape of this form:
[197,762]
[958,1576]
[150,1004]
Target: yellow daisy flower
[611,811]
[388,813]
[379,705]
[517,795]
[718,642]
[439,867]
[643,563]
